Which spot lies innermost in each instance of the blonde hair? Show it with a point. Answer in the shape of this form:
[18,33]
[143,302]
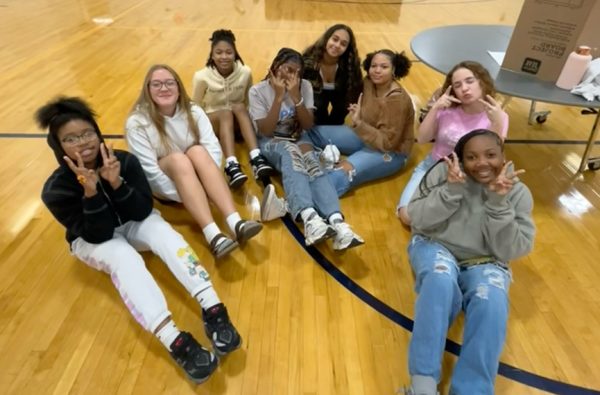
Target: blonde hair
[145,104]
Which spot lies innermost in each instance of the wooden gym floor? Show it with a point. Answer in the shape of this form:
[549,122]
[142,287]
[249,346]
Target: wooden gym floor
[313,321]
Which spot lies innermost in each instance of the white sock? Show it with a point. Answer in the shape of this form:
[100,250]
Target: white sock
[230,159]
[307,213]
[207,297]
[335,217]
[232,220]
[254,153]
[167,334]
[211,231]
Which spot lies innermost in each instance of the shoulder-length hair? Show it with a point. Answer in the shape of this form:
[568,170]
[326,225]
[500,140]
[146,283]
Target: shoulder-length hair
[480,72]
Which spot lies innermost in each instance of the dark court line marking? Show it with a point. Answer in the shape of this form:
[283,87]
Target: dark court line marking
[120,136]
[510,372]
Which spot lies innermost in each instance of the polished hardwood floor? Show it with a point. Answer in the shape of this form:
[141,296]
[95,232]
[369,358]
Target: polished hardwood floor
[63,328]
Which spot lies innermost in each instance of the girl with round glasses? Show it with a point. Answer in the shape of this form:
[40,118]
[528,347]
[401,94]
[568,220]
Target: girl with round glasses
[181,156]
[103,199]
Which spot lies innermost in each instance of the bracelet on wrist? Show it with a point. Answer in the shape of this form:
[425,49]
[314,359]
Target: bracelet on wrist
[299,103]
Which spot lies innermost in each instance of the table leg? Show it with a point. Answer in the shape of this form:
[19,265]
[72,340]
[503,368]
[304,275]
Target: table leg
[590,144]
[537,116]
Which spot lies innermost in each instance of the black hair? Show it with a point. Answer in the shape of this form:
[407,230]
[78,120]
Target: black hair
[348,62]
[58,112]
[400,62]
[283,56]
[217,37]
[459,149]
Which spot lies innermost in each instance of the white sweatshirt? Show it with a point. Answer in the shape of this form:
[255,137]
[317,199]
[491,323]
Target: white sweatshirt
[144,142]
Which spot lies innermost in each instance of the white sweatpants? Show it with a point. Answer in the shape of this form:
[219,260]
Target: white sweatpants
[119,257]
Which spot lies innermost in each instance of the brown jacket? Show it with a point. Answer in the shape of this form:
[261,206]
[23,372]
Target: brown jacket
[386,122]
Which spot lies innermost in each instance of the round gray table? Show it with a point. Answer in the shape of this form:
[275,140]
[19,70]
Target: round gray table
[442,47]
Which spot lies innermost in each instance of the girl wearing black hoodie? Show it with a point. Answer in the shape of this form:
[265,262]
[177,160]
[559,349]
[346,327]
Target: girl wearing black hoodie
[104,201]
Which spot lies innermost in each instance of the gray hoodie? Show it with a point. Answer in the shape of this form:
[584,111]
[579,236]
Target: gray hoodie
[471,221]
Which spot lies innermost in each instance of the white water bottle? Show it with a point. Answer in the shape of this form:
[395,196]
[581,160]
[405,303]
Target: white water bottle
[574,68]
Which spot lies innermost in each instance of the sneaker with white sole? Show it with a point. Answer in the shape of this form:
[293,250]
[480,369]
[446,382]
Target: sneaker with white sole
[271,206]
[245,230]
[261,167]
[316,230]
[236,177]
[345,237]
[222,245]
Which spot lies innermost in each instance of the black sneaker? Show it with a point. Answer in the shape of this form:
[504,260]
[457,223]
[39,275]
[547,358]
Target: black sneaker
[219,329]
[197,362]
[261,167]
[236,177]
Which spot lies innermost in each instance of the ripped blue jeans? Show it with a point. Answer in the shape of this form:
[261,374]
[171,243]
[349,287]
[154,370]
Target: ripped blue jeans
[304,180]
[444,289]
[369,164]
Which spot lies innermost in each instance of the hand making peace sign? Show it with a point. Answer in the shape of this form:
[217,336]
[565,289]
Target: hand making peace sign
[455,174]
[111,168]
[86,177]
[446,100]
[504,182]
[492,109]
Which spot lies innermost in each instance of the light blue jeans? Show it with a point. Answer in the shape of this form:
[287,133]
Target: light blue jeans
[443,290]
[369,164]
[415,179]
[304,181]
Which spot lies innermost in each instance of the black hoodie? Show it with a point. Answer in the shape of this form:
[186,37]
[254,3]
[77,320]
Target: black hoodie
[95,218]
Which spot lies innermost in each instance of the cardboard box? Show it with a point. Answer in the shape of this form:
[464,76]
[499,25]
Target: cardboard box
[547,31]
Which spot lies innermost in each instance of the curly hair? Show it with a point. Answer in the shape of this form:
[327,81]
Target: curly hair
[480,72]
[400,62]
[348,62]
[218,36]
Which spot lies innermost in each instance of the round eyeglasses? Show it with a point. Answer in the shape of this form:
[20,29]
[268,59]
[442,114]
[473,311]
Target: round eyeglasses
[158,85]
[87,136]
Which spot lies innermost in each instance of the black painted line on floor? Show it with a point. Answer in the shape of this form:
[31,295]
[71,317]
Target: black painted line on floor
[508,371]
[43,136]
[120,136]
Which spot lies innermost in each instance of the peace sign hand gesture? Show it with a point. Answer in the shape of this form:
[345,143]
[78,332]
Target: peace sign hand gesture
[455,174]
[445,100]
[504,182]
[111,168]
[492,109]
[86,177]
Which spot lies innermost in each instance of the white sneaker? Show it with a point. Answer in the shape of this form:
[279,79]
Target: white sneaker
[345,237]
[316,230]
[271,206]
